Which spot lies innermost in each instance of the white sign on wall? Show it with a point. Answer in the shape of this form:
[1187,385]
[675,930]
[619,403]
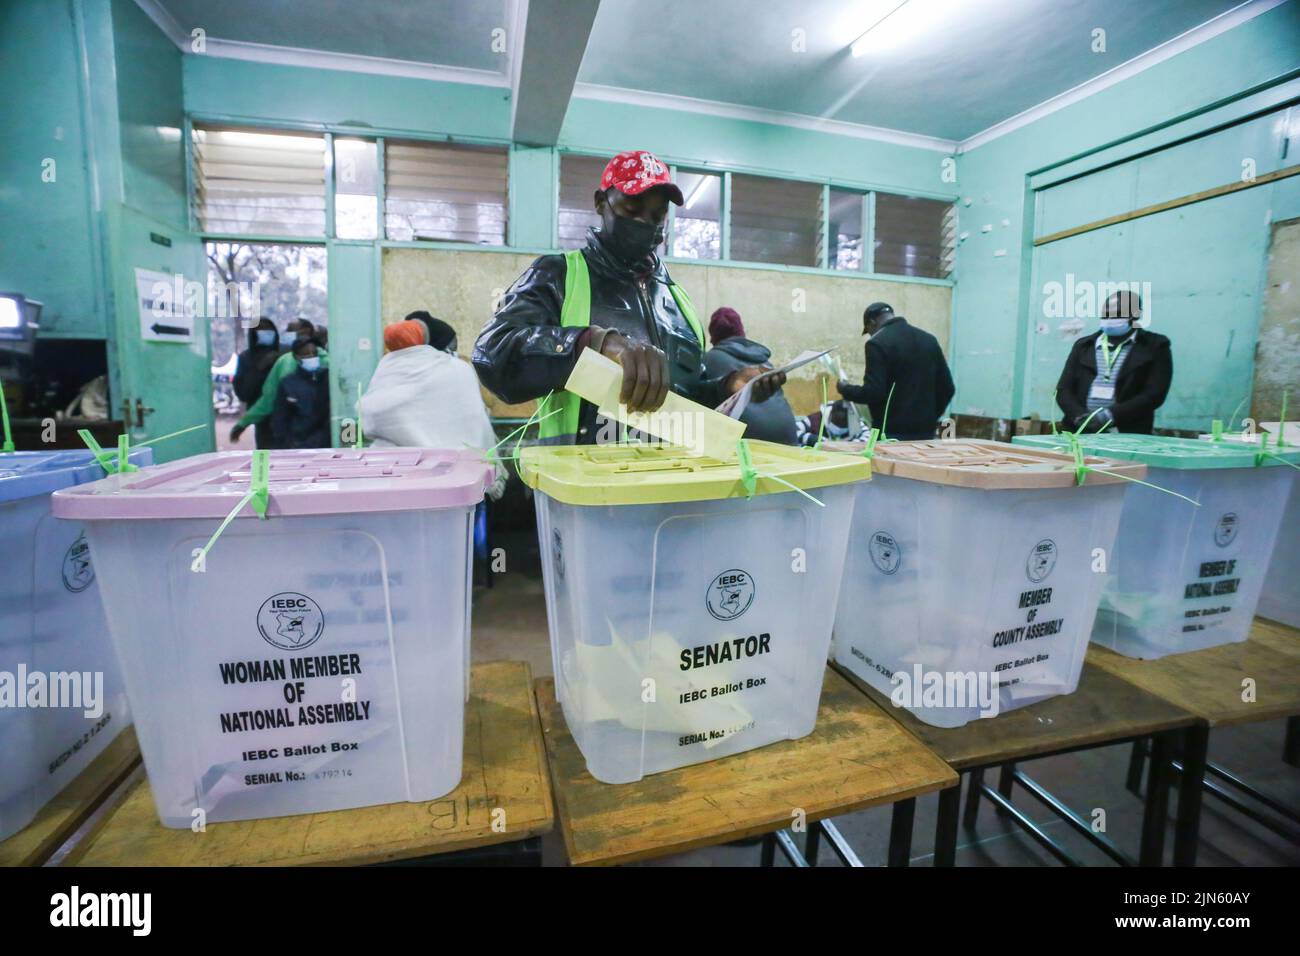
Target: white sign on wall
[164,316]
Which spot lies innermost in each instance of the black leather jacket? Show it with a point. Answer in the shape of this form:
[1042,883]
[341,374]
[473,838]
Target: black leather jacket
[524,352]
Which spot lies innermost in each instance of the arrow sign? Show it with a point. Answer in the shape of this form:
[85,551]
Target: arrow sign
[161,303]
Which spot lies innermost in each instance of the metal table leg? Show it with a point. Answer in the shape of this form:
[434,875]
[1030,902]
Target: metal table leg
[1006,780]
[812,842]
[945,831]
[767,856]
[973,788]
[1155,815]
[1196,745]
[1136,760]
[900,832]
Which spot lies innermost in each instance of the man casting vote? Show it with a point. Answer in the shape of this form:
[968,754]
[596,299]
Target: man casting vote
[613,295]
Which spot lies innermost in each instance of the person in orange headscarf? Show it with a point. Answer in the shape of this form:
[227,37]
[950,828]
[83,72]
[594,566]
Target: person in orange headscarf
[423,396]
[402,335]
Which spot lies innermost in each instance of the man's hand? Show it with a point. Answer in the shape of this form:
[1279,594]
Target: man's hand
[236,431]
[762,390]
[645,372]
[839,387]
[1098,420]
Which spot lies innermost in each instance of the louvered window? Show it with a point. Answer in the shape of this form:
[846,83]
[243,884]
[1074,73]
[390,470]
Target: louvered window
[579,180]
[845,230]
[776,221]
[259,184]
[914,237]
[697,225]
[356,176]
[435,191]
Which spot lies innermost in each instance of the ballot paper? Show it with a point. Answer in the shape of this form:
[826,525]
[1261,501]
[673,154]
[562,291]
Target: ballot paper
[735,406]
[608,681]
[679,421]
[832,365]
[836,372]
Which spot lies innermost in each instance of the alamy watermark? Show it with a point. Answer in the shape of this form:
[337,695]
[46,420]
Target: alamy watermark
[682,429]
[957,690]
[214,300]
[83,690]
[77,908]
[1083,299]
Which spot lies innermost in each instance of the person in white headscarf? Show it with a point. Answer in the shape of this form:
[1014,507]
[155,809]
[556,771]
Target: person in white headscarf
[423,396]
[843,423]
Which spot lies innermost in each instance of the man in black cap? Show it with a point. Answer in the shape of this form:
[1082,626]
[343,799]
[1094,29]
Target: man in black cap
[909,361]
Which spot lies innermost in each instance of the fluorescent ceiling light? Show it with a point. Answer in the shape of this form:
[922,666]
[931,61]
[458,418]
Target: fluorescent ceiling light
[695,193]
[897,22]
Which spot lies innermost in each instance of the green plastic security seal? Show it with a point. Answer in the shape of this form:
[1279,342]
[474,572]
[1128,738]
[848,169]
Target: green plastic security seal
[258,495]
[106,461]
[631,474]
[4,414]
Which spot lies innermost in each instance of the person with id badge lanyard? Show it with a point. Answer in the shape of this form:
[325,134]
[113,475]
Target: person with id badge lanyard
[1119,375]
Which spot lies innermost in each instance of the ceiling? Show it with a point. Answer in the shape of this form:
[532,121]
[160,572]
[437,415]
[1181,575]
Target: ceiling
[944,69]
[963,66]
[454,33]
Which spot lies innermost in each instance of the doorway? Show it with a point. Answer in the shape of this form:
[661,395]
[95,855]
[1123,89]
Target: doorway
[286,282]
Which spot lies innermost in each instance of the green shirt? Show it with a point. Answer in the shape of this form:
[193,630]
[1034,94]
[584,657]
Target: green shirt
[261,409]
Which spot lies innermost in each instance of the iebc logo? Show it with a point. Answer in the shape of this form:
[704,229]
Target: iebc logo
[78,572]
[729,594]
[1042,558]
[290,621]
[1225,529]
[886,555]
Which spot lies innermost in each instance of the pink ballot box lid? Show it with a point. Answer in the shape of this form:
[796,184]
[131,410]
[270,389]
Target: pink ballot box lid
[302,482]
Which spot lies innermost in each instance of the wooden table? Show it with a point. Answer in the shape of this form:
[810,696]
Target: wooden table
[1286,639]
[1279,637]
[857,757]
[1103,711]
[504,767]
[1211,685]
[59,819]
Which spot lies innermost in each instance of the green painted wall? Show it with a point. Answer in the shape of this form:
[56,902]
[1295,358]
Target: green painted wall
[252,92]
[748,146]
[150,115]
[534,197]
[48,247]
[101,97]
[994,321]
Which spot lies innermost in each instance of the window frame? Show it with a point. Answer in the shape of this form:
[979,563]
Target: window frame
[329,131]
[379,135]
[868,192]
[508,205]
[724,209]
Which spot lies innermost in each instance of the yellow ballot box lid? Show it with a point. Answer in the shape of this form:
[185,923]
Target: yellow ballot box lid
[645,474]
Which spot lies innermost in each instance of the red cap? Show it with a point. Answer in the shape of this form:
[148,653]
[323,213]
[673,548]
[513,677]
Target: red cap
[635,171]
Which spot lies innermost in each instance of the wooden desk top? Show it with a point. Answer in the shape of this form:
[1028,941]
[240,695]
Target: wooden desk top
[856,757]
[504,766]
[1103,709]
[59,819]
[1279,637]
[1209,683]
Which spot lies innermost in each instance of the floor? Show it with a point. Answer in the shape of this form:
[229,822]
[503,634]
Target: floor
[510,623]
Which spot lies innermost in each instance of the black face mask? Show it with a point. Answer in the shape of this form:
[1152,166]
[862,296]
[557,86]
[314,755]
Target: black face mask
[631,239]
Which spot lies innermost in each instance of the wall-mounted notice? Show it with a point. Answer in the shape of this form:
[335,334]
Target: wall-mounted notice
[163,313]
